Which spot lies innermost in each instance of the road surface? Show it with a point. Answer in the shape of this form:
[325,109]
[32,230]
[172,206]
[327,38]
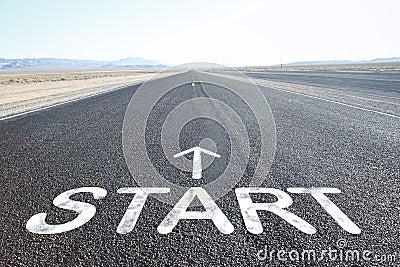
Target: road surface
[320,143]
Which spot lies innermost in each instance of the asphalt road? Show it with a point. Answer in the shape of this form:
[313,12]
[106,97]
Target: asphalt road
[319,144]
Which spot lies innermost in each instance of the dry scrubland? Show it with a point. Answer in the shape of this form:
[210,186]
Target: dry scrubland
[16,78]
[341,67]
[21,92]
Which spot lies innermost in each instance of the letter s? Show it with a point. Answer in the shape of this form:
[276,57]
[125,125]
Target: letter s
[37,223]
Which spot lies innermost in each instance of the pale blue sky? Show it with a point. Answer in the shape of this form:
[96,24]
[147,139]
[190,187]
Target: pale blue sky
[174,32]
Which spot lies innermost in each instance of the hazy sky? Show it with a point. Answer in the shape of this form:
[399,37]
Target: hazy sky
[227,32]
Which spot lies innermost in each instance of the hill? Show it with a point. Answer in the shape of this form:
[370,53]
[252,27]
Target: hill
[55,64]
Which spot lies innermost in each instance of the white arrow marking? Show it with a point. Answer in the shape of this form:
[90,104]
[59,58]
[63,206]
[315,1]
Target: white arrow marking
[197,167]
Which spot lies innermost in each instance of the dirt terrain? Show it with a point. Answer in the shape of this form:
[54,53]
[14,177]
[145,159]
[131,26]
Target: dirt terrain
[21,92]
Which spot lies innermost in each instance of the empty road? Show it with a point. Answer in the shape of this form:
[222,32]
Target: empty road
[333,130]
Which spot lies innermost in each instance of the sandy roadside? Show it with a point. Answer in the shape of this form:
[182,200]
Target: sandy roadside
[21,92]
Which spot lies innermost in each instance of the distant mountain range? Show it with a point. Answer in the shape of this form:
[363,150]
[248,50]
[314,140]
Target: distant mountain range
[57,64]
[341,62]
[51,64]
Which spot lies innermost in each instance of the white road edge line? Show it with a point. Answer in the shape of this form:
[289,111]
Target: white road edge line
[332,101]
[259,83]
[69,101]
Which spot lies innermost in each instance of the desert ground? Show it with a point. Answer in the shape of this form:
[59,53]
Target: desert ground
[25,91]
[395,66]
